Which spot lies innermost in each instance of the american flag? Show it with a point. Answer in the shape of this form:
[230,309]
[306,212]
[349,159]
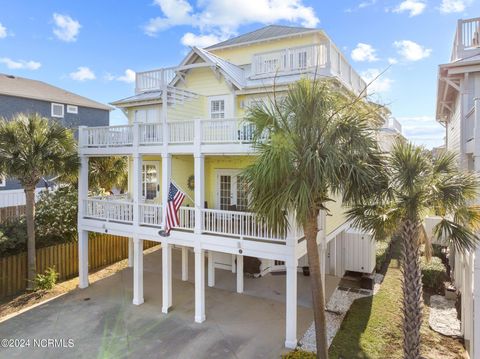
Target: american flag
[174,201]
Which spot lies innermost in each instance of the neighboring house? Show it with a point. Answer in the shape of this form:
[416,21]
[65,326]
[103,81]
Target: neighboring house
[21,95]
[389,133]
[458,109]
[185,124]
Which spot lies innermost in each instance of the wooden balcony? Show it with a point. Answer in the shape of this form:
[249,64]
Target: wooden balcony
[324,59]
[242,225]
[142,136]
[467,39]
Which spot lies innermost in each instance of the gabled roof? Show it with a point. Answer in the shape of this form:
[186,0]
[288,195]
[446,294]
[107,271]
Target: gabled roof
[234,72]
[38,90]
[265,33]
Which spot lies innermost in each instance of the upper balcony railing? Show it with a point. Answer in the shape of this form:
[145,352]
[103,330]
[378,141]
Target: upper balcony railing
[467,39]
[211,131]
[153,79]
[318,57]
[393,124]
[289,60]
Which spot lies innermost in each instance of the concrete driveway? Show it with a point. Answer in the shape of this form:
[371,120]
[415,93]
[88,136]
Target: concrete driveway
[102,322]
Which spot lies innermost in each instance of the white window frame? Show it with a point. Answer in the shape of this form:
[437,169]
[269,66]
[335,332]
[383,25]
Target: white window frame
[226,106]
[63,110]
[3,181]
[234,173]
[72,109]
[144,183]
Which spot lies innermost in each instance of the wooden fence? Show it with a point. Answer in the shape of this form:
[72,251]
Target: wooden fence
[11,212]
[102,250]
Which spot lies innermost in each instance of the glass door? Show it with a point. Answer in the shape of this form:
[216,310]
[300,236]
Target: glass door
[232,191]
[150,181]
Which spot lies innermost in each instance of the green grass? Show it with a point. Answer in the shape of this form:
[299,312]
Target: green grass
[373,326]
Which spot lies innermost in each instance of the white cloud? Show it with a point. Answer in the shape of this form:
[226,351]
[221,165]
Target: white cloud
[392,61]
[451,6]
[3,31]
[414,7]
[83,74]
[190,39]
[381,83]
[20,64]
[66,28]
[411,51]
[423,130]
[222,18]
[364,52]
[128,77]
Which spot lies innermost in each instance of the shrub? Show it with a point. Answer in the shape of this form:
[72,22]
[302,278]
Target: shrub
[56,215]
[381,253]
[299,354]
[433,274]
[55,222]
[47,280]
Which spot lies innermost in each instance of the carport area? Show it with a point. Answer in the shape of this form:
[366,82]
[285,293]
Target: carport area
[103,323]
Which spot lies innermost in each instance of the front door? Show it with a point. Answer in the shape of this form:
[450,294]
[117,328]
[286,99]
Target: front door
[232,191]
[150,181]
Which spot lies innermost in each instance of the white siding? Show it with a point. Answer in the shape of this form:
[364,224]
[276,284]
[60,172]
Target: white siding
[453,128]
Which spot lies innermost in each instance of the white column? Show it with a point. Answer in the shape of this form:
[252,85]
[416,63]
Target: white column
[199,174]
[83,259]
[130,252]
[137,271]
[136,188]
[322,247]
[82,235]
[211,270]
[239,274]
[166,276]
[166,176]
[184,263]
[199,285]
[291,306]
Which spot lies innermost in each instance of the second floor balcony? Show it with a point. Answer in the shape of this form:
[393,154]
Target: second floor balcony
[123,139]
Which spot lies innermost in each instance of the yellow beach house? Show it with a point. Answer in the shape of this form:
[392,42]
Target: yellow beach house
[185,126]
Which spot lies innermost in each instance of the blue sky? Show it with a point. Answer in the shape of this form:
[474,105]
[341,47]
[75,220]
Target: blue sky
[91,47]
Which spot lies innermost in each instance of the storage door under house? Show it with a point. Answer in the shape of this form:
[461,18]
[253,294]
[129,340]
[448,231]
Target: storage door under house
[150,181]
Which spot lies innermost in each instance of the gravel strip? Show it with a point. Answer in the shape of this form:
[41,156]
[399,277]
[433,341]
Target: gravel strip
[443,316]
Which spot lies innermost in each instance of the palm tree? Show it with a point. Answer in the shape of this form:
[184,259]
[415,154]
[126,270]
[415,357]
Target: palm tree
[32,147]
[420,185]
[315,143]
[108,172]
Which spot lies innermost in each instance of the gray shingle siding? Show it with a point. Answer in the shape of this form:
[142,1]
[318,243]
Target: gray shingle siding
[11,105]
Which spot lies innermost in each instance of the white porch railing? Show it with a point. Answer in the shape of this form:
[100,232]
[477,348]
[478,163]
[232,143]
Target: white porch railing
[227,131]
[116,211]
[467,39]
[153,79]
[107,136]
[289,60]
[238,224]
[151,214]
[181,132]
[186,218]
[151,133]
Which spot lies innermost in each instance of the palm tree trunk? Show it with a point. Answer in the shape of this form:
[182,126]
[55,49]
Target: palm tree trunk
[317,288]
[412,290]
[31,253]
